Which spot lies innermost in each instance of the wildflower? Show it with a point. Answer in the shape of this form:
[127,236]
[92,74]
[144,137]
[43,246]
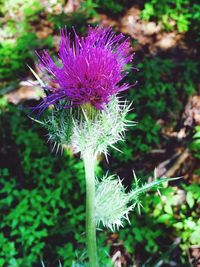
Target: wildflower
[88,70]
[89,74]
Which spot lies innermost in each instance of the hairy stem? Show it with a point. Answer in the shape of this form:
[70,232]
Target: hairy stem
[89,163]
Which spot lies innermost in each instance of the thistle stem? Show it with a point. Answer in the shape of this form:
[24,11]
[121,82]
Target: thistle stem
[89,164]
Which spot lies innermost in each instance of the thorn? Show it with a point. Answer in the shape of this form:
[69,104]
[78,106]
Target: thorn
[159,193]
[53,147]
[116,148]
[58,147]
[36,76]
[40,122]
[155,173]
[135,178]
[106,156]
[86,118]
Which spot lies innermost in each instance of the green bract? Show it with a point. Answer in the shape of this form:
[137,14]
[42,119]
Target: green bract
[86,128]
[104,130]
[111,203]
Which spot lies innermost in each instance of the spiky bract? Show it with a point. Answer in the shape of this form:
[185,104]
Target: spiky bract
[59,127]
[86,128]
[111,203]
[107,128]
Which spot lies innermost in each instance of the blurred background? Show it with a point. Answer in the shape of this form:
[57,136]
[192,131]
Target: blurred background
[42,193]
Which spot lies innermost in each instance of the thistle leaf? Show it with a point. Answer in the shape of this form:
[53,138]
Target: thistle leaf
[113,204]
[139,190]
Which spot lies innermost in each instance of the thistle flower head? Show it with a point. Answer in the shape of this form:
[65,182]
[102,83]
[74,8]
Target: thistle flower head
[87,70]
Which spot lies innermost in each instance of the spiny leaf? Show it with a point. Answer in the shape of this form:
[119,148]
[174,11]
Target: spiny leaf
[134,193]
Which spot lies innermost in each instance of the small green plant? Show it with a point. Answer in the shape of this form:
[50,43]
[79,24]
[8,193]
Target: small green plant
[35,204]
[112,7]
[13,55]
[172,15]
[79,18]
[188,223]
[19,38]
[174,214]
[28,8]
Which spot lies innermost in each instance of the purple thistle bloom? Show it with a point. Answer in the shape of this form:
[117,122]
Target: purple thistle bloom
[88,70]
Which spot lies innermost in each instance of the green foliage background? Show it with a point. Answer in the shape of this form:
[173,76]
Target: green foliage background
[42,194]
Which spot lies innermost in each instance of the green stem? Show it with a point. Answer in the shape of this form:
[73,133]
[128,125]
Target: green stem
[89,163]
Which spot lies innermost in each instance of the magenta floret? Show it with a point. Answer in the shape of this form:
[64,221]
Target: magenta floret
[88,70]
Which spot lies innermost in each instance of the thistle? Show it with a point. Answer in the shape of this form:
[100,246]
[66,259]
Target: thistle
[88,71]
[82,88]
